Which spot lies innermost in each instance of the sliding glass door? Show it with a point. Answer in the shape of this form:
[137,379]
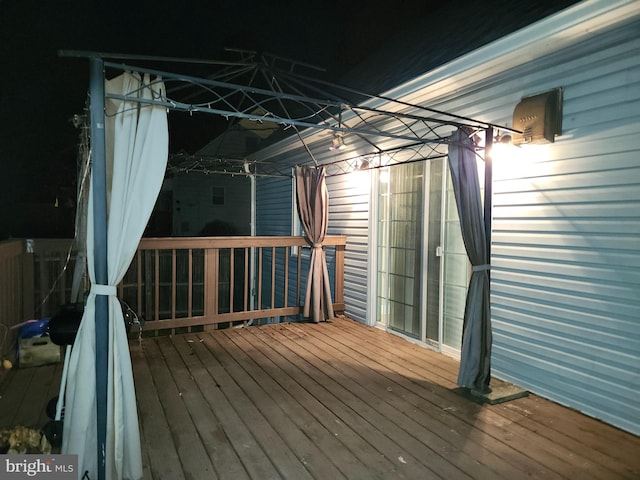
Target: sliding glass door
[400,238]
[408,248]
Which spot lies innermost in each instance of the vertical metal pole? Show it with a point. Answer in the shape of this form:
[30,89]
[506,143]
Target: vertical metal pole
[488,189]
[252,253]
[485,356]
[98,177]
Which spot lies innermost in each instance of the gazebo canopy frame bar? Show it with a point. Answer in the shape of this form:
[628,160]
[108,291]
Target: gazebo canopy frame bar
[331,113]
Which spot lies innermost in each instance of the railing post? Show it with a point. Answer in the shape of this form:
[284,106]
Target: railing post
[211,267]
[339,275]
[28,281]
[149,288]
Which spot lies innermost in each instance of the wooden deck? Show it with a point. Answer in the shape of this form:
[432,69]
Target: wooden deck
[334,401]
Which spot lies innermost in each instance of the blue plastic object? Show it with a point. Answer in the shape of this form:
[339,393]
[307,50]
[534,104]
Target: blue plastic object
[36,328]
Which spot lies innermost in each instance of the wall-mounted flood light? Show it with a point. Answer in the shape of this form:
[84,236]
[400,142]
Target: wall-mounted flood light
[538,117]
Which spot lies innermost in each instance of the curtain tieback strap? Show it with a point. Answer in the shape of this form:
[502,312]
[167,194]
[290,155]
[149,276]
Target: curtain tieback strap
[109,290]
[481,268]
[317,245]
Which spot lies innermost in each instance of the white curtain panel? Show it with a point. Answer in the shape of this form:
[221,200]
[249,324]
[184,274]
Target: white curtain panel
[137,150]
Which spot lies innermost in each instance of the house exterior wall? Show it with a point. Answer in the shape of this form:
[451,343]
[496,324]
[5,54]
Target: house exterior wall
[273,205]
[274,217]
[194,208]
[349,215]
[566,232]
[566,236]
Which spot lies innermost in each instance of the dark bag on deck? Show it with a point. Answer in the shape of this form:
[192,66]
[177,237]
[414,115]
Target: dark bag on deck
[64,325]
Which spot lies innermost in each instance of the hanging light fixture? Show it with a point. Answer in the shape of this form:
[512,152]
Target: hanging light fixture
[337,142]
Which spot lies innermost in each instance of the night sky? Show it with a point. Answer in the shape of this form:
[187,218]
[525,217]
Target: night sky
[40,91]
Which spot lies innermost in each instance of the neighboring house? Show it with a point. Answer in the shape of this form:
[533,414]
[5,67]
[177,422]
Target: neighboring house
[566,230]
[215,203]
[200,202]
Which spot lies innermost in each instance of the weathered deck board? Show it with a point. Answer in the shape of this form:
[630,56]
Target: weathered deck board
[246,399]
[301,380]
[309,414]
[556,456]
[433,406]
[198,361]
[14,394]
[332,400]
[159,448]
[406,445]
[223,458]
[293,443]
[601,443]
[188,444]
[565,454]
[25,393]
[288,417]
[563,426]
[432,424]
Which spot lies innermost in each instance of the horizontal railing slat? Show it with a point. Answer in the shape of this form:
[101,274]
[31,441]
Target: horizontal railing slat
[222,318]
[235,242]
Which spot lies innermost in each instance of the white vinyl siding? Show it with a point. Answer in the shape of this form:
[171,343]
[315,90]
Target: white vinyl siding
[193,207]
[273,217]
[566,239]
[349,215]
[273,206]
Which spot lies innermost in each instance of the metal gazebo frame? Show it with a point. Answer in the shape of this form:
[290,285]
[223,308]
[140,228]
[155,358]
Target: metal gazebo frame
[399,128]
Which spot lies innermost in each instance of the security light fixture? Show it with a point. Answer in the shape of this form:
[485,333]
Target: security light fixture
[538,117]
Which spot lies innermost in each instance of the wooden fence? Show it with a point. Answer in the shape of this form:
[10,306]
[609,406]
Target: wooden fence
[12,293]
[35,279]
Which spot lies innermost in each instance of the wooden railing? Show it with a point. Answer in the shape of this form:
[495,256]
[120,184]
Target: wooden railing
[175,283]
[181,282]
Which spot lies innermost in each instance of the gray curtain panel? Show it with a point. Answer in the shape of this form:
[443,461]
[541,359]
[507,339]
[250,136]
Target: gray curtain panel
[313,208]
[475,358]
